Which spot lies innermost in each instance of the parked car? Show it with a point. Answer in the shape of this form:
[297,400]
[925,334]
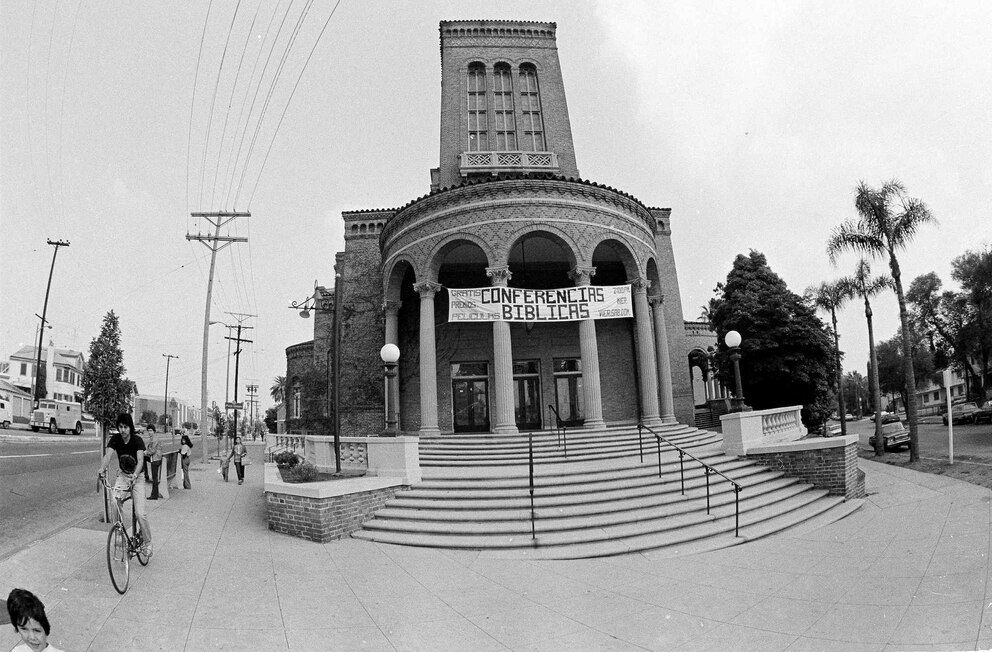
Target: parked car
[894,435]
[962,413]
[983,413]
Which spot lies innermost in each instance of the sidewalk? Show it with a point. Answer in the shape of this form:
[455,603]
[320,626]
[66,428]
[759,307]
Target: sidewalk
[908,571]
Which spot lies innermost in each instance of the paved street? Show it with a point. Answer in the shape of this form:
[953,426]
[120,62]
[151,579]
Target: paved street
[971,442]
[46,484]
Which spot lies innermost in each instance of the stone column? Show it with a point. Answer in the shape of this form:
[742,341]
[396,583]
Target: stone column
[589,350]
[391,310]
[646,367]
[664,362]
[428,358]
[502,416]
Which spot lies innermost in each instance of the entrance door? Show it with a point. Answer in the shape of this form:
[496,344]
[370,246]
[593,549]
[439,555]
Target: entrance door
[568,390]
[527,394]
[470,396]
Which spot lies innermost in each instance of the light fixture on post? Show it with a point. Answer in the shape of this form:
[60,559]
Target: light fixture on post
[325,304]
[733,341]
[390,354]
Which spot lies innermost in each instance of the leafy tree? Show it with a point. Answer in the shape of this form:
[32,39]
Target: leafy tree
[787,357]
[856,393]
[106,392]
[891,365]
[278,389]
[973,271]
[271,419]
[830,297]
[866,286]
[315,415]
[149,416]
[887,222]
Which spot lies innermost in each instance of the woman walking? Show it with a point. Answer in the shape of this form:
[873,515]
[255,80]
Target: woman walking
[239,452]
[184,451]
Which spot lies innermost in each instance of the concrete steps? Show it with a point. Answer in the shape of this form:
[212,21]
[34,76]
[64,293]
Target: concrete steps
[600,500]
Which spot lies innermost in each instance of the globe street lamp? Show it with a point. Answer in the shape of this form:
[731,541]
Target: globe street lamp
[390,354]
[733,341]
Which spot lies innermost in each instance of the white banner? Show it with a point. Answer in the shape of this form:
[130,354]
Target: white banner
[518,304]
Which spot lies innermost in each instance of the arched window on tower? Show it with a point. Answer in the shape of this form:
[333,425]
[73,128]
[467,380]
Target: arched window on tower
[296,406]
[506,132]
[478,123]
[532,130]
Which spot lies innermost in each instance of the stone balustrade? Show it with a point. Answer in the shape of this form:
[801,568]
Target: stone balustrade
[745,430]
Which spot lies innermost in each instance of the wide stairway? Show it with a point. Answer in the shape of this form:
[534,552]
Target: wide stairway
[593,496]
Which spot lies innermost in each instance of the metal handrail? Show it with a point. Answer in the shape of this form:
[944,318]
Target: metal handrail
[559,429]
[708,469]
[530,450]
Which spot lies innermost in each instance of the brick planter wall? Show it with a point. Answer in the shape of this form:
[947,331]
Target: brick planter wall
[324,519]
[826,463]
[325,511]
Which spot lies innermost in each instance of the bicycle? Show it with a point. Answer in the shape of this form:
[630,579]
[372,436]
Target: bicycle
[121,545]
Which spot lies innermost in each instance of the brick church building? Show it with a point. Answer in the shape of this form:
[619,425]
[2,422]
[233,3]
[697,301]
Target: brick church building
[509,216]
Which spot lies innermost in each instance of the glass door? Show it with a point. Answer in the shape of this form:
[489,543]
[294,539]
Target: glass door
[470,396]
[568,390]
[527,394]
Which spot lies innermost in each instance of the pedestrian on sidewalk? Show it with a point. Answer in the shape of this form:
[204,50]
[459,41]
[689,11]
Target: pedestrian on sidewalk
[239,453]
[154,451]
[145,430]
[27,615]
[184,452]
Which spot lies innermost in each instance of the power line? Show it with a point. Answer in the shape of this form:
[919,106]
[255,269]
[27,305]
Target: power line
[192,101]
[292,93]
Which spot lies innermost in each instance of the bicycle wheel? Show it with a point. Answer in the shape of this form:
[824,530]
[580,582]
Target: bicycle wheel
[139,541]
[118,559]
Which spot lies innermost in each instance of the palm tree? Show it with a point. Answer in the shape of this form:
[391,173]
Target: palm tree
[887,221]
[830,297]
[278,389]
[866,286]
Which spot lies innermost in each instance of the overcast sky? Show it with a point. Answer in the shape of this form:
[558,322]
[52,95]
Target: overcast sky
[754,122]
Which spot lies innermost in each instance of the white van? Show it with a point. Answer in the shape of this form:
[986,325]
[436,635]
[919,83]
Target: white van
[6,416]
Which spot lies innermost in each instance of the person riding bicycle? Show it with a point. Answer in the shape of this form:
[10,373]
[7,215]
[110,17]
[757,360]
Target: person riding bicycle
[127,444]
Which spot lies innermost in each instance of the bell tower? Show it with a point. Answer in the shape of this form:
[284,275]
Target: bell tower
[503,110]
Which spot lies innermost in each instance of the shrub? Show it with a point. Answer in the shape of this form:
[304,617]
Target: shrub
[286,459]
[305,472]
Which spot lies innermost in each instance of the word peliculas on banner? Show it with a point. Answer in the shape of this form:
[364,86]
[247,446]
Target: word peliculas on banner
[518,304]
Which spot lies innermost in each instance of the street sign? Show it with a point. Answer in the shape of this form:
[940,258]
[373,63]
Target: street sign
[231,405]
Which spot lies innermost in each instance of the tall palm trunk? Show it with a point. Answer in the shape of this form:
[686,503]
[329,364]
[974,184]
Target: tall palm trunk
[840,377]
[876,390]
[907,352]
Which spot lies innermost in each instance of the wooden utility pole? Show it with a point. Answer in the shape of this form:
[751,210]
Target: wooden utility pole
[237,364]
[168,358]
[41,333]
[215,243]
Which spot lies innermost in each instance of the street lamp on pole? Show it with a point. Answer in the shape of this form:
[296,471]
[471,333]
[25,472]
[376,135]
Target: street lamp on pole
[733,341]
[390,354]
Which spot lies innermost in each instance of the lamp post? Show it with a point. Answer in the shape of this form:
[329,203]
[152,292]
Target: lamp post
[733,341]
[390,354]
[312,303]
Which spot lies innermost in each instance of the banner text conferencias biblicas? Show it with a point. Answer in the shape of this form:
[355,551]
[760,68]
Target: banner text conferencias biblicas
[518,304]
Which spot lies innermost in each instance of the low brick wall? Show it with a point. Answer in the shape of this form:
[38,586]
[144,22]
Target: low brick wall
[324,511]
[826,463]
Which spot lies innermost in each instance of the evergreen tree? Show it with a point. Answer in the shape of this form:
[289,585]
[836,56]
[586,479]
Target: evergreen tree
[106,392]
[786,353]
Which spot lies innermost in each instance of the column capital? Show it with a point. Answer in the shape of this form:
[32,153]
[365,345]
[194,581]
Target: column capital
[391,307]
[582,275]
[499,275]
[657,300]
[427,289]
[640,285]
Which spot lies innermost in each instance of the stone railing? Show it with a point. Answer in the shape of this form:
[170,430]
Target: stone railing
[745,430]
[496,162]
[379,456]
[293,442]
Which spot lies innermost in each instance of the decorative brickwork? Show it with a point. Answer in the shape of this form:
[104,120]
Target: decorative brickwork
[833,468]
[325,519]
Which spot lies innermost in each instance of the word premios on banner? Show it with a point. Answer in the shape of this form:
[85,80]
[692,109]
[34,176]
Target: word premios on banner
[518,304]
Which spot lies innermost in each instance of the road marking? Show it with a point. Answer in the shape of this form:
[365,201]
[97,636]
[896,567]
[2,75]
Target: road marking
[7,457]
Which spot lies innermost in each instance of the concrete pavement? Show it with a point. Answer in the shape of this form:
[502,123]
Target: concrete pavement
[908,571]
